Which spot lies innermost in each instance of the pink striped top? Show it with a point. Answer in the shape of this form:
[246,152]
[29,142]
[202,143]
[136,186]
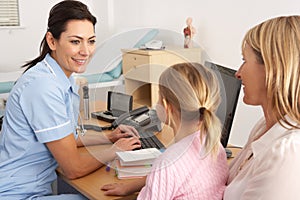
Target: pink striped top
[182,172]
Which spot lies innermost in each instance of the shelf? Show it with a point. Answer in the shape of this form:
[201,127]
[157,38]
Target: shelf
[142,69]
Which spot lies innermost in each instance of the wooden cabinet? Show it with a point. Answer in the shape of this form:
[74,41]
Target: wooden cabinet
[142,69]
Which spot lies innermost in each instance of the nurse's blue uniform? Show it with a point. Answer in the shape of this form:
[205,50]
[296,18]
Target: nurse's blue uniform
[42,107]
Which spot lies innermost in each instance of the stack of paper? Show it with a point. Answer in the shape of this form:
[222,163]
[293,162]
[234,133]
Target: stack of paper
[133,164]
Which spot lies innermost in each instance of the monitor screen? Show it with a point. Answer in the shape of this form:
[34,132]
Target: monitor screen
[230,89]
[118,103]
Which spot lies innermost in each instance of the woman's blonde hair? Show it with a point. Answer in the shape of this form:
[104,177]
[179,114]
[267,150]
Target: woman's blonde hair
[276,43]
[193,91]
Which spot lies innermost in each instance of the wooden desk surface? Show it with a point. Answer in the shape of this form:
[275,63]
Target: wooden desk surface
[90,185]
[235,150]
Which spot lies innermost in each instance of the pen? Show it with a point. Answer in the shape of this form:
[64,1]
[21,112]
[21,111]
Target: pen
[107,167]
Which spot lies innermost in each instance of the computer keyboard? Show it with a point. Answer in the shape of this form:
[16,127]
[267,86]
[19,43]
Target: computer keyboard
[149,140]
[146,131]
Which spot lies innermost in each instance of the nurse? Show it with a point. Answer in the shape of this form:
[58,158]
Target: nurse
[39,127]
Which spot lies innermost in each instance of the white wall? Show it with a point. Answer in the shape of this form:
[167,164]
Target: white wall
[220,28]
[22,44]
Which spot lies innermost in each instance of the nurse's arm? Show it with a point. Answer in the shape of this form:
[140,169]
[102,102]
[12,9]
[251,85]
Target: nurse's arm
[92,139]
[106,137]
[75,165]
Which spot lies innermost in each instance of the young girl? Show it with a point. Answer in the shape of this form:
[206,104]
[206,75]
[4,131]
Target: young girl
[195,167]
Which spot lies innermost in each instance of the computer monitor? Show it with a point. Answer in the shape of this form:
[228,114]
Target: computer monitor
[230,89]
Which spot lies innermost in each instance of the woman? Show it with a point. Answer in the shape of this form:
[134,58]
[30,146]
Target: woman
[268,166]
[195,167]
[39,128]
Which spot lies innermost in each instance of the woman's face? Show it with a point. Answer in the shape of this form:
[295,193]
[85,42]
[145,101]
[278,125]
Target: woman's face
[75,47]
[253,76]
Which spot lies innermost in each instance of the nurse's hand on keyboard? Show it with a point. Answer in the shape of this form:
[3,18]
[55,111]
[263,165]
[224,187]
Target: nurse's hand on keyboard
[123,131]
[127,144]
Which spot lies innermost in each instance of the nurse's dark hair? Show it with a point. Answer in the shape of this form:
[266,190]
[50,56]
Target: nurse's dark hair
[59,16]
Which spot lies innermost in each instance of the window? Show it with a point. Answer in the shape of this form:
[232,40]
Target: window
[9,13]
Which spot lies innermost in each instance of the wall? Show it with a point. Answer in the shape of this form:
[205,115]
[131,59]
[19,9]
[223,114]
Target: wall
[220,28]
[22,44]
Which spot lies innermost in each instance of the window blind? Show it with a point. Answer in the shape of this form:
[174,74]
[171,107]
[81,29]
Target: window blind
[9,13]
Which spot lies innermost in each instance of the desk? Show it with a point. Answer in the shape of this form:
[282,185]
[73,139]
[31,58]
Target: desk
[90,184]
[235,150]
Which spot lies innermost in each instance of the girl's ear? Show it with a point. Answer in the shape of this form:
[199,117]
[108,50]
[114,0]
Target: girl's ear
[51,41]
[167,106]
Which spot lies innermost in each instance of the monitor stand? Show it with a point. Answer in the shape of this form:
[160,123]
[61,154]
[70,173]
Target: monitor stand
[228,153]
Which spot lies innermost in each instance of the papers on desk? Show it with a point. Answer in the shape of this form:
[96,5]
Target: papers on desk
[138,157]
[127,172]
[135,164]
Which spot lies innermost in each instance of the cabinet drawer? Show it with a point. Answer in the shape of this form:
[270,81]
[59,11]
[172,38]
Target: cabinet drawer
[133,60]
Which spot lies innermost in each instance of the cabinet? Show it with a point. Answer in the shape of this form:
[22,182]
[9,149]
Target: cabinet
[142,69]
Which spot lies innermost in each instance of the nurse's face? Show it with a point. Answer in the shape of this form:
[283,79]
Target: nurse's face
[253,76]
[75,47]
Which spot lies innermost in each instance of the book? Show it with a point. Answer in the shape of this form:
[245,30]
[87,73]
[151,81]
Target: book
[138,157]
[127,172]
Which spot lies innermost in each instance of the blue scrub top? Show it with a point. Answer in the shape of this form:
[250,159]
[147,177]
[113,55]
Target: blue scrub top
[42,107]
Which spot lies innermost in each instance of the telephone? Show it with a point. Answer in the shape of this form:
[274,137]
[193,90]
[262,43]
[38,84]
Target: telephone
[145,121]
[153,45]
[117,104]
[142,119]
